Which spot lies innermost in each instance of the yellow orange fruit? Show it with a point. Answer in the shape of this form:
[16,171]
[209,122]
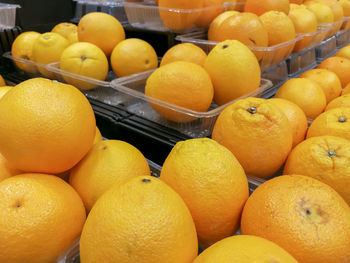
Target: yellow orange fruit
[65,29]
[322,11]
[133,56]
[286,206]
[44,134]
[338,13]
[130,224]
[306,93]
[215,24]
[340,66]
[260,7]
[346,7]
[344,52]
[346,89]
[214,196]
[102,30]
[340,102]
[73,37]
[212,8]
[108,163]
[234,71]
[98,136]
[6,169]
[184,52]
[257,133]
[4,90]
[84,59]
[195,92]
[34,208]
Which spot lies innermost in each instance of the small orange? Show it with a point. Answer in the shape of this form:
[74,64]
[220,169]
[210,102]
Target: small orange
[340,66]
[212,8]
[6,170]
[65,29]
[260,7]
[346,89]
[184,52]
[307,94]
[344,52]
[215,24]
[340,102]
[257,133]
[4,90]
[304,216]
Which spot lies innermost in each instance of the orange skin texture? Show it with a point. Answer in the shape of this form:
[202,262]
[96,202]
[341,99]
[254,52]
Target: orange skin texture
[184,52]
[340,66]
[340,102]
[260,7]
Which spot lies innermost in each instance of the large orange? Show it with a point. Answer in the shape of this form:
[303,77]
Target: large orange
[340,66]
[234,71]
[215,24]
[40,217]
[325,158]
[212,8]
[260,7]
[244,249]
[142,220]
[45,126]
[6,169]
[101,29]
[257,133]
[304,216]
[184,52]
[108,163]
[340,102]
[214,196]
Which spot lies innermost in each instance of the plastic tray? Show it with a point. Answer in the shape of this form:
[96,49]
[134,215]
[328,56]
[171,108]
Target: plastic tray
[8,15]
[326,49]
[343,38]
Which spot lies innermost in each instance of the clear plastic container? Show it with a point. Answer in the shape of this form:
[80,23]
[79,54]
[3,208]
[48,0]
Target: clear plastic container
[8,15]
[326,49]
[301,61]
[343,38]
[277,74]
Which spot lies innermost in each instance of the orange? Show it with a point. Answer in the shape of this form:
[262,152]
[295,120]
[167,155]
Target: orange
[176,20]
[257,133]
[6,169]
[325,158]
[133,56]
[212,8]
[344,52]
[65,29]
[244,249]
[2,81]
[48,48]
[327,80]
[214,196]
[142,220]
[101,29]
[4,90]
[98,136]
[346,7]
[234,71]
[215,24]
[296,117]
[260,7]
[73,37]
[304,216]
[195,92]
[323,12]
[306,93]
[22,48]
[340,66]
[338,13]
[184,52]
[346,89]
[340,102]
[48,133]
[332,122]
[84,59]
[99,170]
[41,216]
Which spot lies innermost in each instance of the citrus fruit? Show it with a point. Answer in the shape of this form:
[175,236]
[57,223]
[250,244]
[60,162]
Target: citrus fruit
[346,7]
[296,117]
[84,59]
[306,93]
[234,71]
[22,48]
[64,29]
[257,133]
[4,90]
[212,8]
[346,89]
[338,13]
[106,33]
[214,195]
[332,122]
[142,220]
[184,52]
[98,136]
[2,81]
[41,216]
[195,92]
[340,66]
[47,48]
[179,15]
[244,249]
[323,12]
[344,52]
[6,169]
[340,102]
[215,24]
[48,133]
[107,163]
[327,80]
[73,37]
[286,206]
[133,56]
[324,158]
[260,7]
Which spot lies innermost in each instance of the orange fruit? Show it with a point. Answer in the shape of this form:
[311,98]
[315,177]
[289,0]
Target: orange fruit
[84,59]
[2,81]
[296,117]
[73,37]
[306,93]
[47,48]
[340,66]
[327,80]
[346,89]
[260,7]
[340,102]
[65,29]
[98,136]
[323,12]
[215,24]
[6,169]
[332,122]
[346,7]
[99,170]
[41,216]
[106,33]
[195,92]
[4,90]
[234,71]
[344,52]
[244,249]
[338,12]
[212,8]
[184,52]
[257,133]
[324,158]
[286,206]
[214,196]
[130,224]
[44,134]
[133,56]
[175,20]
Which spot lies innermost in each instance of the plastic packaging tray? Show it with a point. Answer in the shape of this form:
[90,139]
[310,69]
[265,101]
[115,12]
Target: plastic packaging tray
[8,15]
[343,38]
[326,49]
